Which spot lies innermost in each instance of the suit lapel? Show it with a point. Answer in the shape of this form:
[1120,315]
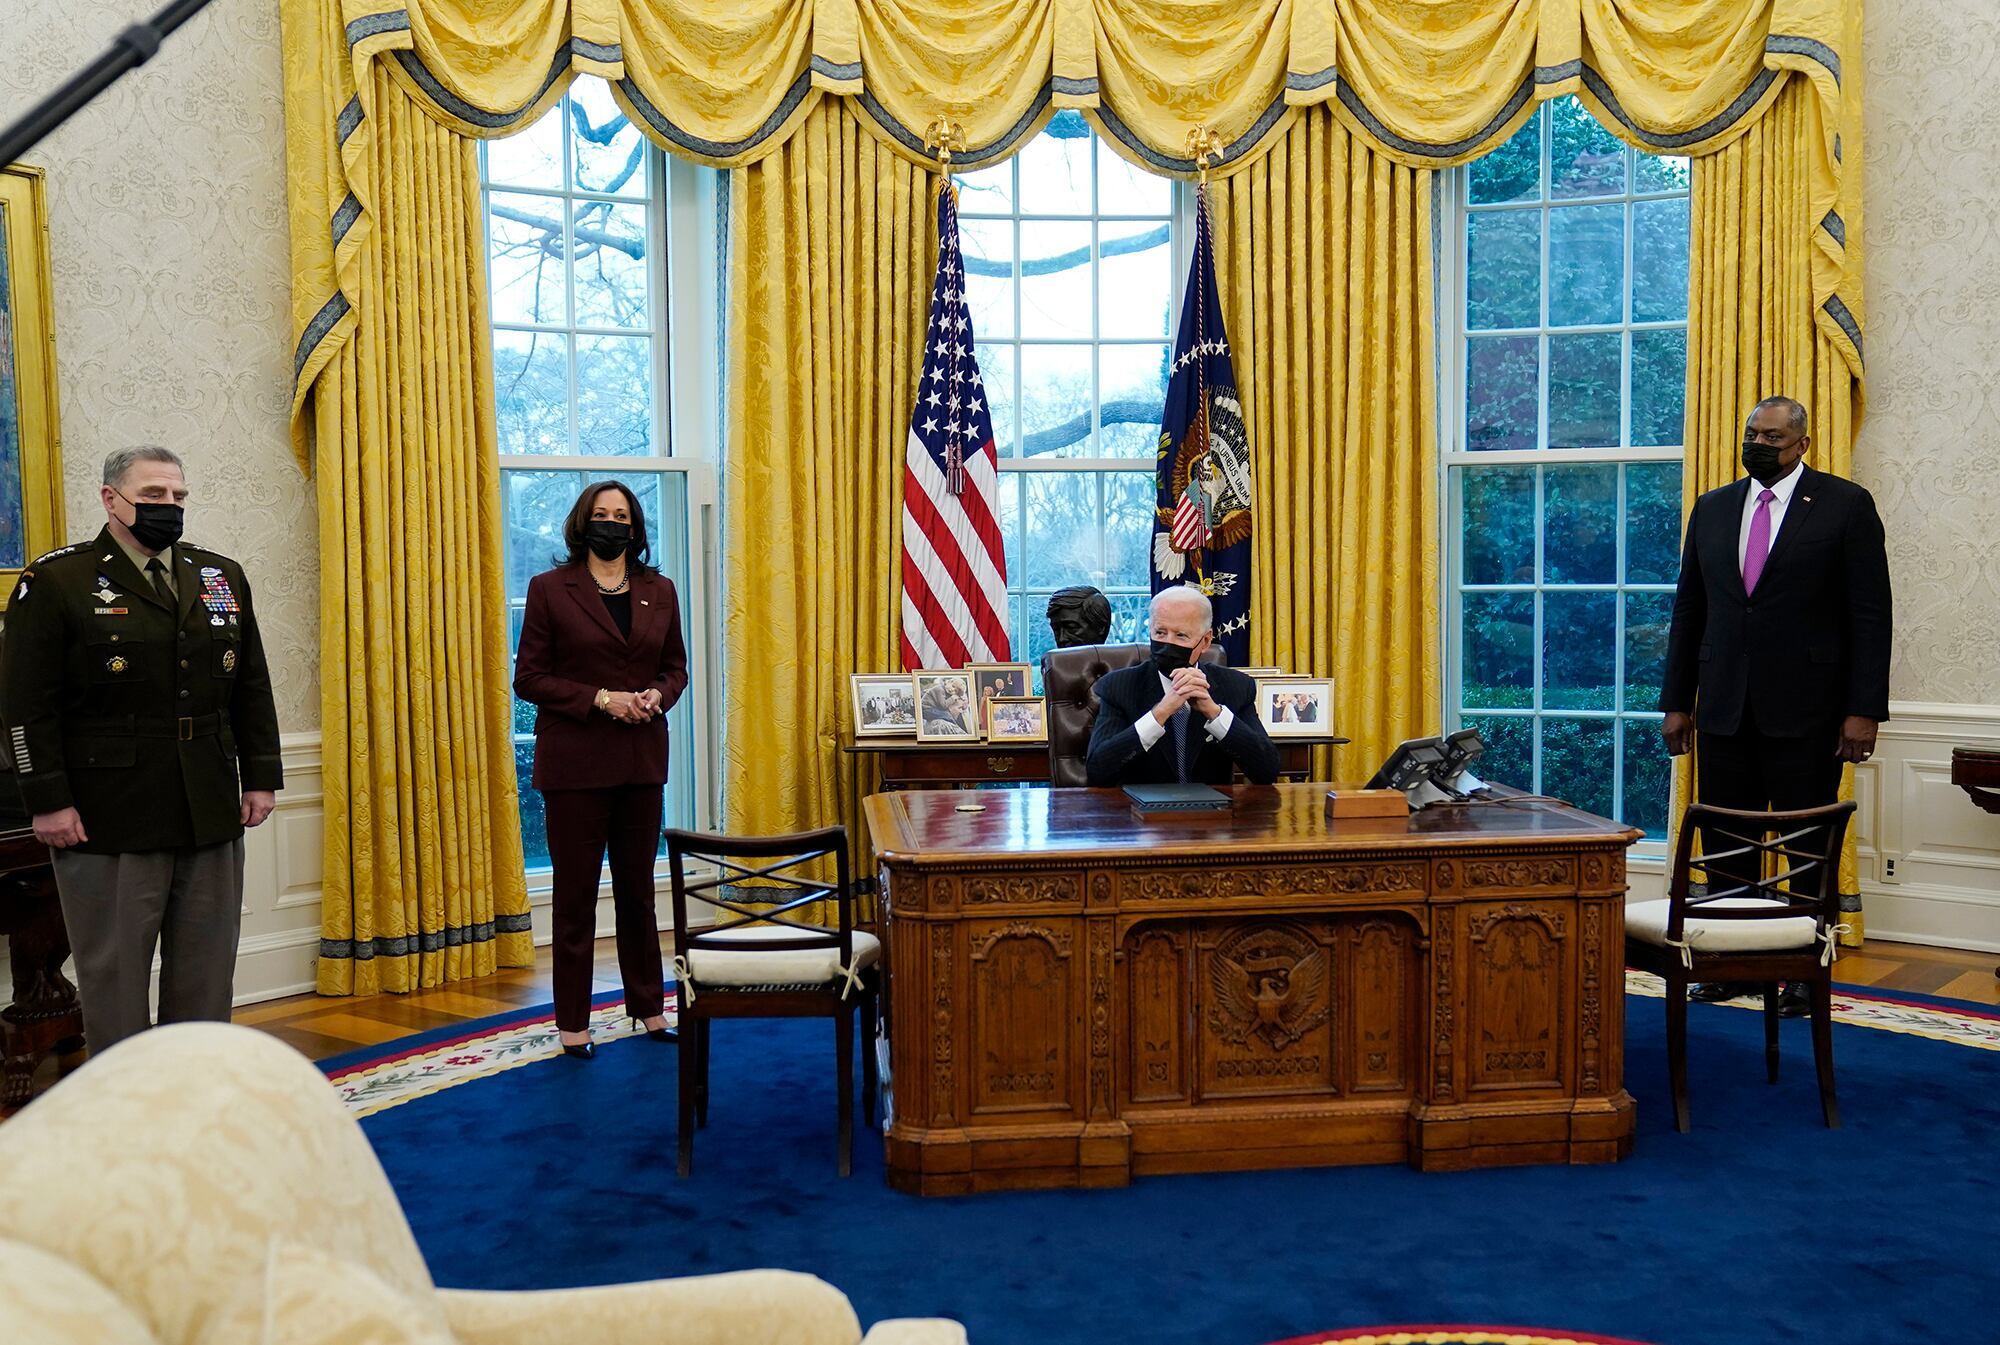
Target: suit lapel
[1723,533]
[115,565]
[1796,511]
[586,596]
[648,609]
[187,587]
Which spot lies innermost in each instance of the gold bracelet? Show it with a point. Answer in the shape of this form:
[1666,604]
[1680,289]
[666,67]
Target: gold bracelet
[603,699]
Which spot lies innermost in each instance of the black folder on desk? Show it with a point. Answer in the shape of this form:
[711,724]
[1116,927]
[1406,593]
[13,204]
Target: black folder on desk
[1175,798]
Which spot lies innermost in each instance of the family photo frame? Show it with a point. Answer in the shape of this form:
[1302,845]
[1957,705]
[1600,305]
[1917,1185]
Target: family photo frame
[1017,719]
[1295,707]
[885,705]
[946,706]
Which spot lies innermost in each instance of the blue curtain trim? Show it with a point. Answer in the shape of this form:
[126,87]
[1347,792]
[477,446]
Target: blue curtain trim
[976,155]
[1318,79]
[349,120]
[1835,226]
[1844,320]
[1808,48]
[716,149]
[819,65]
[1168,163]
[1073,88]
[331,312]
[366,950]
[343,218]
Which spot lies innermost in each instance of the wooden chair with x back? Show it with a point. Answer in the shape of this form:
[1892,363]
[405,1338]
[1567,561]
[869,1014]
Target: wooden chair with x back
[760,958]
[1770,912]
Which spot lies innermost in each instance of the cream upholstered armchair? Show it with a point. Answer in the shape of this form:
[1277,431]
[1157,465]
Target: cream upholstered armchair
[202,1184]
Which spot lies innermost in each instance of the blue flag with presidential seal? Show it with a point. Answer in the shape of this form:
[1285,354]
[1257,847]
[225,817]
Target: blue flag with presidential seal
[1201,524]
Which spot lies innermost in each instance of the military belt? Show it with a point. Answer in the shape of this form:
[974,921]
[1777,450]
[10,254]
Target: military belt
[186,728]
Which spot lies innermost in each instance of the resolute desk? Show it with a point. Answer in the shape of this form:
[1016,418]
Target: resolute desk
[1077,995]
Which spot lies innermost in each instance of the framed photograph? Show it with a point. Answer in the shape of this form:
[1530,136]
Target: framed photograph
[30,472]
[1017,719]
[1261,672]
[945,706]
[990,680]
[885,705]
[1295,707]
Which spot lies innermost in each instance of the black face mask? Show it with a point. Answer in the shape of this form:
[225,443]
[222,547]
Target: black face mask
[607,540]
[1760,460]
[155,526]
[1167,657]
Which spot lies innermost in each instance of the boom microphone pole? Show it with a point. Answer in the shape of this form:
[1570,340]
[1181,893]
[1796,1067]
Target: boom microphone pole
[133,47]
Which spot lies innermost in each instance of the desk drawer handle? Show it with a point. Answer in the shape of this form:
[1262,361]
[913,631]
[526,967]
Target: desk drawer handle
[999,765]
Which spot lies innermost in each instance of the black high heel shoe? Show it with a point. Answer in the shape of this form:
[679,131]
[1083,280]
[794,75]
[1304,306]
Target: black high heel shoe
[654,1033]
[583,1050]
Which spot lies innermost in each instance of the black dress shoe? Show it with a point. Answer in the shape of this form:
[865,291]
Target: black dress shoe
[1714,992]
[655,1033]
[586,1050]
[1795,1000]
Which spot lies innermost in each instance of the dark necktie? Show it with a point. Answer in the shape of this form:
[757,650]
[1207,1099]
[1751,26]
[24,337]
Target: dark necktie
[1181,753]
[158,572]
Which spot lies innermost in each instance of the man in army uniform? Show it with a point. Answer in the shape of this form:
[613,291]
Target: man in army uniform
[138,716]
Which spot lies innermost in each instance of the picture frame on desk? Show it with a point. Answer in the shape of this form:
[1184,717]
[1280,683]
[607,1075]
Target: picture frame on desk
[1295,707]
[1258,674]
[885,705]
[1017,719]
[990,680]
[946,706]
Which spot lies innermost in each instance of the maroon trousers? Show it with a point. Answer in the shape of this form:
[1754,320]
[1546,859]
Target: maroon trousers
[582,824]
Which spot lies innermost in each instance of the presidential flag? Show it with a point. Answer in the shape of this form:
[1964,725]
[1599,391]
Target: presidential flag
[954,570]
[1201,528]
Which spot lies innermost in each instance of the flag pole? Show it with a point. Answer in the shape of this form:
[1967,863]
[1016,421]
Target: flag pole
[941,137]
[1202,145]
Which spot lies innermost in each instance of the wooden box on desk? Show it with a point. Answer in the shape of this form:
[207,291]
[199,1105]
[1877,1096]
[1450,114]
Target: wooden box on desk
[1367,803]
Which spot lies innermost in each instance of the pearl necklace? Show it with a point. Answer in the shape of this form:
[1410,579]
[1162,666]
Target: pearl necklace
[616,588]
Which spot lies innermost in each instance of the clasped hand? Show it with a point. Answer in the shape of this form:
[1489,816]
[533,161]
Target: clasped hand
[633,707]
[1187,686]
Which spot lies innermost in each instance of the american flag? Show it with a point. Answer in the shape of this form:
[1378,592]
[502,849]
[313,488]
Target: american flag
[954,570]
[1191,528]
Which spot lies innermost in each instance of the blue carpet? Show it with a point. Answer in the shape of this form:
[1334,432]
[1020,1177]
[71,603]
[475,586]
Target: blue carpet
[1760,1226]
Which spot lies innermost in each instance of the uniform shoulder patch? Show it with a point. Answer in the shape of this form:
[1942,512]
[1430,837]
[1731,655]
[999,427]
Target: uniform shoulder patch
[185,545]
[61,551]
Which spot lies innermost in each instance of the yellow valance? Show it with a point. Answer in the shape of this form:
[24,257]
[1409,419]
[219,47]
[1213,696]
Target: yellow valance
[1427,83]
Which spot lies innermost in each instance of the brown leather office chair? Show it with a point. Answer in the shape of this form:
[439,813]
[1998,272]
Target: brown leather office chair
[1069,677]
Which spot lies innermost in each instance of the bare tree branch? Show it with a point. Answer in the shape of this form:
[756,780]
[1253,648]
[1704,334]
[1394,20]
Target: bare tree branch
[1063,261]
[1127,411]
[551,230]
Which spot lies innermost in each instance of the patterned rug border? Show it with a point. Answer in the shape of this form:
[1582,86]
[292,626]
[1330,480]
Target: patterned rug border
[1966,1024]
[1455,1335]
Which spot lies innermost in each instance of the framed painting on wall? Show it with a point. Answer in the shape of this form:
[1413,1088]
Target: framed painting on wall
[30,446]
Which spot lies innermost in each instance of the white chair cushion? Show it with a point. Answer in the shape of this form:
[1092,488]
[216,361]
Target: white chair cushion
[756,966]
[1646,921]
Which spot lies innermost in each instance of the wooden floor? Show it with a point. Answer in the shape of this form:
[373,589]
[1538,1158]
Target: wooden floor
[323,1027]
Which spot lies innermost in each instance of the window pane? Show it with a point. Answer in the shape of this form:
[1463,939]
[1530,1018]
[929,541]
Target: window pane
[1032,637]
[1134,279]
[1513,172]
[1055,401]
[1499,650]
[1647,617]
[988,249]
[1578,762]
[1649,776]
[1009,487]
[1580,530]
[1509,758]
[610,152]
[531,391]
[1579,644]
[525,246]
[610,266]
[1125,189]
[1498,538]
[1134,381]
[1583,390]
[1587,266]
[1063,541]
[996,376]
[1503,286]
[1659,387]
[534,822]
[990,191]
[1652,522]
[1055,167]
[533,158]
[1502,374]
[1055,279]
[1128,617]
[1660,261]
[614,404]
[1128,528]
[1584,158]
[1660,172]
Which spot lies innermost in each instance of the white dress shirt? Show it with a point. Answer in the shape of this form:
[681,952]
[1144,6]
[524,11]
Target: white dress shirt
[1151,730]
[1781,490]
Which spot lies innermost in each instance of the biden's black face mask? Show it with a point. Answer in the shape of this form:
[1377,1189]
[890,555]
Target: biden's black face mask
[1167,657]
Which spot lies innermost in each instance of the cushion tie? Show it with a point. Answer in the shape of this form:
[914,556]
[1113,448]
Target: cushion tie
[850,977]
[684,978]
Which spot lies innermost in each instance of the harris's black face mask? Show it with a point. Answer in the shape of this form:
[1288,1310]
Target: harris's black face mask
[607,540]
[155,526]
[1167,657]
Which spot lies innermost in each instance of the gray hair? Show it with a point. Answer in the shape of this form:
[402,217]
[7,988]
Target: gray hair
[1189,594]
[1796,411]
[117,465]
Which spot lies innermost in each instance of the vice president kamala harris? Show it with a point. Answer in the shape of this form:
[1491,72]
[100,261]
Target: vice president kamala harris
[602,659]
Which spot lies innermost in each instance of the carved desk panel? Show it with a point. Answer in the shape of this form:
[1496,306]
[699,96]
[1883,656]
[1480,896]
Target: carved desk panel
[1080,994]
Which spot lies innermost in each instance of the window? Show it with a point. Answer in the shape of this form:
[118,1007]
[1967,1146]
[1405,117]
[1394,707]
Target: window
[575,214]
[1070,275]
[1567,370]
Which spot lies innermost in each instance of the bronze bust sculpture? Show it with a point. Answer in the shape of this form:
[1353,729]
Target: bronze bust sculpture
[1079,615]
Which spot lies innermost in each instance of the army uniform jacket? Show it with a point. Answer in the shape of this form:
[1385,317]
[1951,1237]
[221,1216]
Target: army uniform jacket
[140,717]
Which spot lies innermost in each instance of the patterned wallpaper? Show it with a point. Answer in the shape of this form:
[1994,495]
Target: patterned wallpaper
[1930,446]
[168,240]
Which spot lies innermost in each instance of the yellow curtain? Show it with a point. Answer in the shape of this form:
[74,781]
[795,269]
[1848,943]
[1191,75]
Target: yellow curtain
[833,241]
[424,879]
[1754,331]
[1323,259]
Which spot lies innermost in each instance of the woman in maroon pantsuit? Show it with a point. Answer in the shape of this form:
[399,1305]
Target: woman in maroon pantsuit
[602,659]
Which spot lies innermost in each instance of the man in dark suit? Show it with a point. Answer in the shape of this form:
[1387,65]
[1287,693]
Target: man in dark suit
[1779,653]
[1168,720]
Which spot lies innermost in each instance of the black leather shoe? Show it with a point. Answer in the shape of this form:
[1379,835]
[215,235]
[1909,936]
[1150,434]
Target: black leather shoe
[1795,1000]
[655,1033]
[1714,992]
[586,1050]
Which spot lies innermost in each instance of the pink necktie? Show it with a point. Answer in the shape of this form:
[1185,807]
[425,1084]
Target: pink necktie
[1759,545]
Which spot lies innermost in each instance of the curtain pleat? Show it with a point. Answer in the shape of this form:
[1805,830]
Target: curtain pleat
[1323,255]
[424,881]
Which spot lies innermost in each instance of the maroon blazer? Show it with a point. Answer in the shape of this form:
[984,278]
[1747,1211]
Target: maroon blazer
[570,647]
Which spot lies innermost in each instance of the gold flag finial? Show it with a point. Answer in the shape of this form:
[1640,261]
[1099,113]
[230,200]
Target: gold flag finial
[942,137]
[1203,145]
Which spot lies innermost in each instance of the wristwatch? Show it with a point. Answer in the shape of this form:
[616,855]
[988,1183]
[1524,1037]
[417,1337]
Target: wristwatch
[603,699]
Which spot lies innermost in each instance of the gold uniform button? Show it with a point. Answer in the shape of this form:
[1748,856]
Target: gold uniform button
[114,639]
[184,663]
[184,695]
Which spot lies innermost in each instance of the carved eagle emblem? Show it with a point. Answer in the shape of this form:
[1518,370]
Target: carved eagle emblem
[1268,982]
